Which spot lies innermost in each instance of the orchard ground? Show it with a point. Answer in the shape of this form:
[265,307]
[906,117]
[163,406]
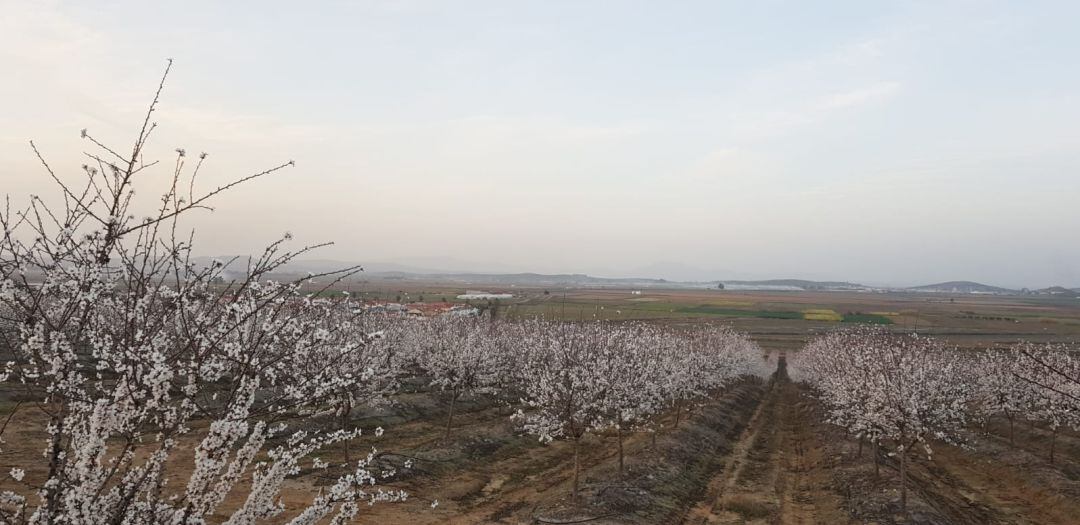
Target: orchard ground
[757,453]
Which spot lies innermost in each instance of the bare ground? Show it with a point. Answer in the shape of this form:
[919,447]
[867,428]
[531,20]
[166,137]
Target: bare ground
[776,473]
[757,453]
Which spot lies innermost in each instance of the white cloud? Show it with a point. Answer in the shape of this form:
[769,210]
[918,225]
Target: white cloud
[862,96]
[776,118]
[733,168]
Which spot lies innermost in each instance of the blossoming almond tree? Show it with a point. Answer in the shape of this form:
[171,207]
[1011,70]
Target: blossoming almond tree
[698,362]
[127,349]
[628,363]
[566,391]
[1051,375]
[1000,390]
[584,377]
[459,354]
[368,375]
[640,363]
[849,408]
[904,390]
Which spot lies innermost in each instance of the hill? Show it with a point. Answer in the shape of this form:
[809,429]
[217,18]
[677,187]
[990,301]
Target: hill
[588,281]
[525,279]
[397,272]
[793,284]
[964,287]
[1058,291]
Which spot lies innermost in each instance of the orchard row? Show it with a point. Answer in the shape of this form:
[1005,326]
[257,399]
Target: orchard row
[903,391]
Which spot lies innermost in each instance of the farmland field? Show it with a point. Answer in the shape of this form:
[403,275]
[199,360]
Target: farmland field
[778,320]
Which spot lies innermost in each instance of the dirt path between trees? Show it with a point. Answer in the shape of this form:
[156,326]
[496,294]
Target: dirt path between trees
[725,482]
[804,480]
[777,472]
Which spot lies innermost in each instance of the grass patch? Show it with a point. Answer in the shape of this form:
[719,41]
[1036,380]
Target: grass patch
[822,315]
[733,312]
[857,317]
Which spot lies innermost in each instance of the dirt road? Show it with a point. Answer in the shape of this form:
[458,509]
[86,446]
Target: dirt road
[777,471]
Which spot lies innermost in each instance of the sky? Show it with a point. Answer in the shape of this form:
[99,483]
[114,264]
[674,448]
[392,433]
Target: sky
[895,143]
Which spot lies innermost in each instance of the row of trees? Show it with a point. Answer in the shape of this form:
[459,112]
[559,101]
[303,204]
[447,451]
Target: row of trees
[569,379]
[903,391]
[124,374]
[1036,383]
[594,377]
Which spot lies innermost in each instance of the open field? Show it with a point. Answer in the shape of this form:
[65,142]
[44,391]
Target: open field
[784,320]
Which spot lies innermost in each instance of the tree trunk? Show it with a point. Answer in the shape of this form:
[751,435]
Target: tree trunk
[1012,432]
[903,480]
[618,428]
[450,417]
[577,466]
[344,428]
[678,412]
[860,445]
[50,494]
[1053,443]
[877,462]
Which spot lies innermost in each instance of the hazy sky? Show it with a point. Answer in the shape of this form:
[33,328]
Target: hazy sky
[886,142]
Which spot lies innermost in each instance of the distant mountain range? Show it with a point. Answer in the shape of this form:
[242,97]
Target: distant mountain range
[796,284]
[530,279]
[396,272]
[588,281]
[968,287]
[1059,290]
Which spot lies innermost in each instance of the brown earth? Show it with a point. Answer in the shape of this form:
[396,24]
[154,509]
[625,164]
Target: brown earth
[756,453]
